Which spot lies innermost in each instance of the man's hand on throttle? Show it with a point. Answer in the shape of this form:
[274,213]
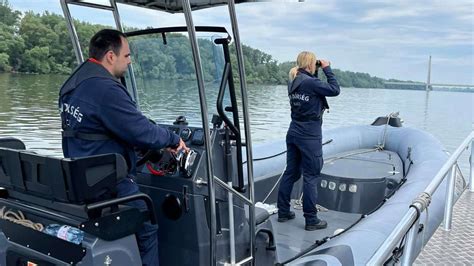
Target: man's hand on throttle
[181,146]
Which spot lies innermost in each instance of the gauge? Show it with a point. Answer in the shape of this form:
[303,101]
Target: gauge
[174,130]
[198,137]
[185,134]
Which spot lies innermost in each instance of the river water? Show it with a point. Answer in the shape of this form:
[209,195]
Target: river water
[28,110]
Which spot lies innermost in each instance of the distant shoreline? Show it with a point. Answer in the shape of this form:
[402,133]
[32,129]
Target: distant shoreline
[418,88]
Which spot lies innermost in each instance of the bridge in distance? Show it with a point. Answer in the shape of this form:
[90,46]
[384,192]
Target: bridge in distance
[428,85]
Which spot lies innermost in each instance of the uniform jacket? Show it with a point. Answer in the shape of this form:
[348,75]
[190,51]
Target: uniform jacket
[92,101]
[308,101]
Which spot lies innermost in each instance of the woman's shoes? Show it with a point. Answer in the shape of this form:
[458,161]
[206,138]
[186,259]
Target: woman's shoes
[311,227]
[285,217]
[308,227]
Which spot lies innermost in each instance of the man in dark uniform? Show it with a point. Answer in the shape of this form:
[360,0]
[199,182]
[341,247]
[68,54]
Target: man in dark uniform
[307,96]
[98,117]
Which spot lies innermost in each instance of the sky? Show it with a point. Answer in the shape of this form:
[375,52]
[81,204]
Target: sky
[387,39]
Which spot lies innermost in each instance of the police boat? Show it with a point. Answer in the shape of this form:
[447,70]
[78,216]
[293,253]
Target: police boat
[213,204]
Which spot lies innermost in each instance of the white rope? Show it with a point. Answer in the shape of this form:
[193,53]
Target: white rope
[274,186]
[19,218]
[350,154]
[424,199]
[389,116]
[299,202]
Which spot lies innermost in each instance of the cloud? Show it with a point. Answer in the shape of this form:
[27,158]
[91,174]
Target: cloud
[379,11]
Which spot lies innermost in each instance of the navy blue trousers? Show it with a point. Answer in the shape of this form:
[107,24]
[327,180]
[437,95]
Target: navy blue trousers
[304,157]
[147,237]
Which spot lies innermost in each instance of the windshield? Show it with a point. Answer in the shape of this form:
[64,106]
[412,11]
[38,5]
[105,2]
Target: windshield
[165,75]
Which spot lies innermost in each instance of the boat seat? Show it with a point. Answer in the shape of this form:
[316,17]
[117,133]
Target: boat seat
[12,143]
[75,181]
[261,215]
[81,190]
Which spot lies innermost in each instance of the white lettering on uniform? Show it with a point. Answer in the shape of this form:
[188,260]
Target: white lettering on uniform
[297,96]
[66,107]
[72,110]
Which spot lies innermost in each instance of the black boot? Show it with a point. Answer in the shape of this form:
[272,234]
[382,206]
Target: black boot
[285,217]
[321,225]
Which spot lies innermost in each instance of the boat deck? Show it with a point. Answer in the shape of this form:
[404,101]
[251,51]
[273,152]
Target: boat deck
[455,247]
[291,238]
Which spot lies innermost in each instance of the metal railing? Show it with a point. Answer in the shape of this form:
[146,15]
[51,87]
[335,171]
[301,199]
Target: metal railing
[247,131]
[409,223]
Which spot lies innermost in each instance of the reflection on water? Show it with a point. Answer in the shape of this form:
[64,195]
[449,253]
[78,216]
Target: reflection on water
[28,109]
[163,101]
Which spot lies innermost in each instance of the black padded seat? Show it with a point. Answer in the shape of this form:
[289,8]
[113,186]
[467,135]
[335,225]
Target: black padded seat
[10,170]
[74,191]
[9,163]
[12,143]
[261,215]
[43,176]
[72,181]
[87,177]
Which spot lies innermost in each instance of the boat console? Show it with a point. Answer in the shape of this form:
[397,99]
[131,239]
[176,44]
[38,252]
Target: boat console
[177,184]
[164,163]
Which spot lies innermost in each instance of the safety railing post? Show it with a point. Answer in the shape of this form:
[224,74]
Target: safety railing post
[205,123]
[448,208]
[231,226]
[410,244]
[245,114]
[471,173]
[118,23]
[72,32]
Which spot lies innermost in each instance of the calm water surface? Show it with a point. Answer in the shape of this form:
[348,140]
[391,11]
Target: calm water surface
[28,110]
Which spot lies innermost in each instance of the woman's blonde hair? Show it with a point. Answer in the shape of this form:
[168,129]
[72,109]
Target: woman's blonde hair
[304,60]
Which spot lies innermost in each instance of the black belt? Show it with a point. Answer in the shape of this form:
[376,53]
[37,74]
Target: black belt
[84,136]
[306,118]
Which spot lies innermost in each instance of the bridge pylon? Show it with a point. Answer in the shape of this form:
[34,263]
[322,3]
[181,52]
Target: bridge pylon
[428,81]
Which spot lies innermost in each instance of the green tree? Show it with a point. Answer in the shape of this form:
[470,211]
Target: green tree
[10,43]
[35,32]
[36,60]
[4,62]
[7,15]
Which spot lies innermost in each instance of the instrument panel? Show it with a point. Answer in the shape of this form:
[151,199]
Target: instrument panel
[191,135]
[183,164]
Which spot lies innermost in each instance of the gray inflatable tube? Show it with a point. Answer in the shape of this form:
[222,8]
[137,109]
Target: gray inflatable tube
[359,243]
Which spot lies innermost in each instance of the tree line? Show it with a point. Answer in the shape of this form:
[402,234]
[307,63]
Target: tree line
[40,43]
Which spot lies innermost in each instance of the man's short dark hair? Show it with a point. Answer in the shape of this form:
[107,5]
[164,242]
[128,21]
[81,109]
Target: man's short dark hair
[104,41]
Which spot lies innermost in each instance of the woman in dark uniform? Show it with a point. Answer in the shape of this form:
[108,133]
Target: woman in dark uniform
[307,96]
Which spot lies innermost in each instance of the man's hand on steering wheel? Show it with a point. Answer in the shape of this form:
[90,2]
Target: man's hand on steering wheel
[181,146]
[150,153]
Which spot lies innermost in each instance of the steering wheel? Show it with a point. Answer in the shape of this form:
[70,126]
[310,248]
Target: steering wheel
[150,155]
